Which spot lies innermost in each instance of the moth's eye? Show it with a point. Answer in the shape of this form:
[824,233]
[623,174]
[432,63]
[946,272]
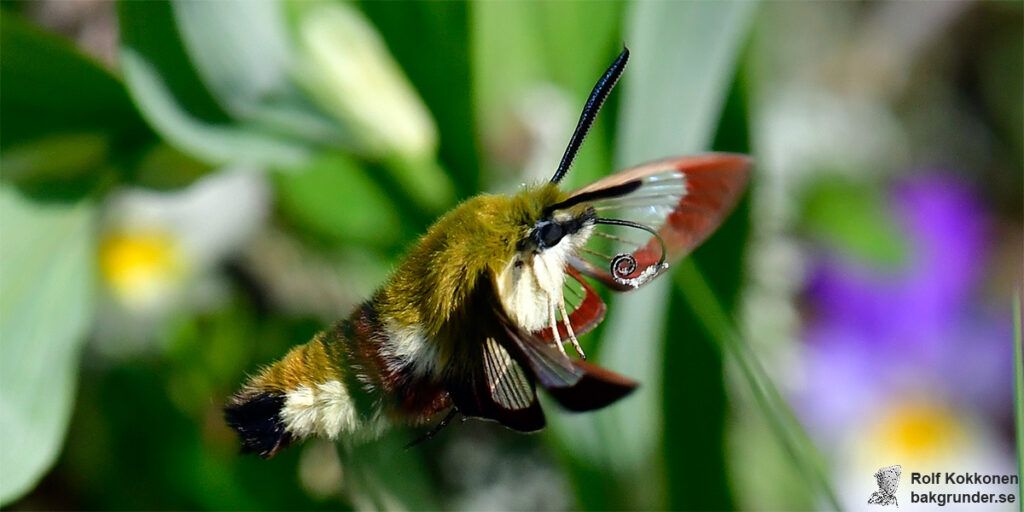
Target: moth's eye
[549,234]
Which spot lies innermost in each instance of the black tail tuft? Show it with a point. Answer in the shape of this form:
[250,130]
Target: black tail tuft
[257,419]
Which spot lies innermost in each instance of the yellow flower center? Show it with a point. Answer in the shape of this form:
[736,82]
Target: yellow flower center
[141,268]
[917,431]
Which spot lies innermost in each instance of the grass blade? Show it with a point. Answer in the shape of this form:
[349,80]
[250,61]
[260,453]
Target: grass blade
[682,60]
[784,423]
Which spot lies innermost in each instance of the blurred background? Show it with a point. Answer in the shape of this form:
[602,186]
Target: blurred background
[190,188]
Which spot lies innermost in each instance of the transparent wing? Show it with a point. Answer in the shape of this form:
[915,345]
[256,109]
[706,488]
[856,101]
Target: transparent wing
[576,385]
[509,387]
[651,216]
[491,384]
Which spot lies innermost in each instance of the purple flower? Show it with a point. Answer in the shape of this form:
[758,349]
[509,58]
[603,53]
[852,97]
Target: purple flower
[916,329]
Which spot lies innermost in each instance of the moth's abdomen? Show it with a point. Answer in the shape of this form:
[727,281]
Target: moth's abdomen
[343,384]
[309,392]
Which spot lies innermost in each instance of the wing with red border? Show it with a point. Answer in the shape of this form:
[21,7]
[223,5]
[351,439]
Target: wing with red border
[652,215]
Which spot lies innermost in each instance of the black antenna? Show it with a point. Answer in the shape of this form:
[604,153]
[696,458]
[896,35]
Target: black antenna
[601,90]
[594,195]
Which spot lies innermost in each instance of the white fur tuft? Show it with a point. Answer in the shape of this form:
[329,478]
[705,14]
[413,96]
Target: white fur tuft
[411,345]
[529,292]
[326,410]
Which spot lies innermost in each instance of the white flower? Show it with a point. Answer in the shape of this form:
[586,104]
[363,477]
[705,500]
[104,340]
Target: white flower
[155,244]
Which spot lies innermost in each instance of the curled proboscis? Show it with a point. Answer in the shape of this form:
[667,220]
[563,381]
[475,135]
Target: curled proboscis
[623,265]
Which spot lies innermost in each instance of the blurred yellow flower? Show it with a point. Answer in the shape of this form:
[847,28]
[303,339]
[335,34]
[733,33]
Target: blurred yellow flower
[922,433]
[347,68]
[159,249]
[918,431]
[141,267]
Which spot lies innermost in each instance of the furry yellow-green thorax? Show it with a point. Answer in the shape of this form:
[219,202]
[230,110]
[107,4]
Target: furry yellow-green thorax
[477,238]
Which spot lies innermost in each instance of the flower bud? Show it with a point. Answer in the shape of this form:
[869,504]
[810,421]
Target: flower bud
[348,70]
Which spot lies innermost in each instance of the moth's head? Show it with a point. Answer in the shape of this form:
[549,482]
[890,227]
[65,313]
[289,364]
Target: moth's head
[539,230]
[547,232]
[553,222]
[544,224]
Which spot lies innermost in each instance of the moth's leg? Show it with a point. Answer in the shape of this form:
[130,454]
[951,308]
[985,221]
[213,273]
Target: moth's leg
[553,322]
[568,328]
[544,283]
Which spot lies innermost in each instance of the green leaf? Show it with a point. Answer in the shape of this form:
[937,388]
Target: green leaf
[242,52]
[149,30]
[239,50]
[220,144]
[56,157]
[59,166]
[165,168]
[174,100]
[335,199]
[46,301]
[58,140]
[49,87]
[853,218]
[683,59]
[518,45]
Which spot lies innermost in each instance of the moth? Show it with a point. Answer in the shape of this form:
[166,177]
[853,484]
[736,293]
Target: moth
[478,314]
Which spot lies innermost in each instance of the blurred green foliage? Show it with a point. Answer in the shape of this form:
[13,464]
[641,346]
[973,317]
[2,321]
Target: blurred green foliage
[46,269]
[62,142]
[229,98]
[309,198]
[853,218]
[196,90]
